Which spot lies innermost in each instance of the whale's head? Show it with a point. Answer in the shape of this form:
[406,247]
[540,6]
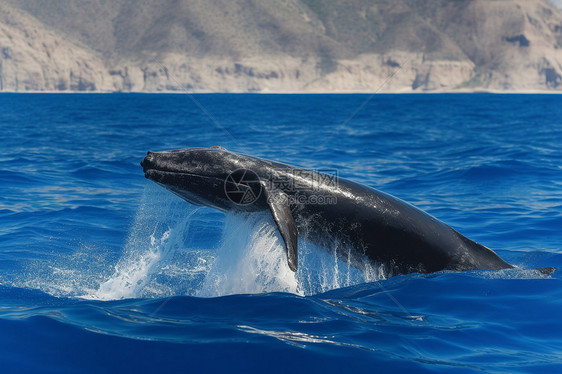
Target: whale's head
[204,176]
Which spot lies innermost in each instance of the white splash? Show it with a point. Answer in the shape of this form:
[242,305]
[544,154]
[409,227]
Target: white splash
[158,231]
[174,249]
[133,273]
[250,260]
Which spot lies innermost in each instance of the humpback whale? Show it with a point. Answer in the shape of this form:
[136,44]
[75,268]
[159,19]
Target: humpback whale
[378,227]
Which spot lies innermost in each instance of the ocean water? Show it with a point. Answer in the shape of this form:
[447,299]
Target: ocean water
[101,270]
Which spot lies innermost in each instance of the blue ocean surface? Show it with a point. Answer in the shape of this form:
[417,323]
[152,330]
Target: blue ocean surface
[101,270]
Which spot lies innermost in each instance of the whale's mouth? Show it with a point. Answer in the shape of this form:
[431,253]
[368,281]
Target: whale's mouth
[159,171]
[161,176]
[154,170]
[177,183]
[154,174]
[148,163]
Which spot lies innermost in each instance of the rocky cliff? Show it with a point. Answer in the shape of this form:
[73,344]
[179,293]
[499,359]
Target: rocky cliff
[280,46]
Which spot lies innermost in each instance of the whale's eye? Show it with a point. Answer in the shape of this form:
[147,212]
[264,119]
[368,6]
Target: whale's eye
[217,148]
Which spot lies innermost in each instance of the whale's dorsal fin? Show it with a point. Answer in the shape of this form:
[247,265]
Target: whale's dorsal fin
[278,203]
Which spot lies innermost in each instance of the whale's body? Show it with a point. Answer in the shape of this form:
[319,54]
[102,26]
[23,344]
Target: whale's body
[323,208]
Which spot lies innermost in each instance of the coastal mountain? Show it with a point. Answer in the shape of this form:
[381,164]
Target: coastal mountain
[280,46]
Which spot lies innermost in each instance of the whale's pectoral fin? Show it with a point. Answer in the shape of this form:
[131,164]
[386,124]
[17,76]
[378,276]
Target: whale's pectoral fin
[278,203]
